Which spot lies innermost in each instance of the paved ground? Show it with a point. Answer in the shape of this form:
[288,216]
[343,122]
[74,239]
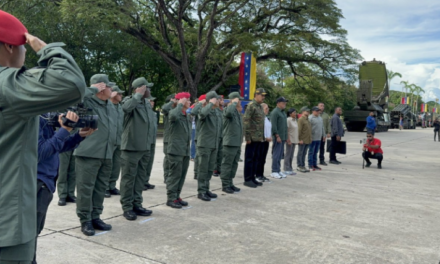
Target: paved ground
[342,214]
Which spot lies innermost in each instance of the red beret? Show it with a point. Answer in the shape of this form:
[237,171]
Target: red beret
[182,95]
[202,97]
[11,30]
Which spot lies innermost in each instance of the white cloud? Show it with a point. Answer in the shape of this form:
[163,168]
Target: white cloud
[404,34]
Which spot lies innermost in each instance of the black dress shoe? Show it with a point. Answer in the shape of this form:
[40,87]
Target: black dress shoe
[334,162]
[211,195]
[323,163]
[130,215]
[250,184]
[62,202]
[257,182]
[235,188]
[115,191]
[203,197]
[228,190]
[100,225]
[142,211]
[107,194]
[182,202]
[195,177]
[87,228]
[174,204]
[379,166]
[71,199]
[150,186]
[368,164]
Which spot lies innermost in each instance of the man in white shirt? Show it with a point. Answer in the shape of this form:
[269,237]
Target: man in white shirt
[265,146]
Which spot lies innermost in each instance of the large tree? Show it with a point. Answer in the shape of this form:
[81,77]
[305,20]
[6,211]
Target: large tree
[201,40]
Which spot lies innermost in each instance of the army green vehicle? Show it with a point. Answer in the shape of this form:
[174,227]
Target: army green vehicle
[409,118]
[372,95]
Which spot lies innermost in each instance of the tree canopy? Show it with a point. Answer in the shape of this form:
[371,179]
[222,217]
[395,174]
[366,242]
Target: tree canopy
[201,40]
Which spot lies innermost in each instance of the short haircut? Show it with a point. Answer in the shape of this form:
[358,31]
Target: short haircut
[264,104]
[321,103]
[337,107]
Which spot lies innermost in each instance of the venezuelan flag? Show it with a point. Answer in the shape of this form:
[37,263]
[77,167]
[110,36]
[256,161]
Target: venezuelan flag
[247,78]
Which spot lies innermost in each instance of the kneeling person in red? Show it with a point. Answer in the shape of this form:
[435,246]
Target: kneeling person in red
[372,150]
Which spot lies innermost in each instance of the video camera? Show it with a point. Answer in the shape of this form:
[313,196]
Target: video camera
[86,118]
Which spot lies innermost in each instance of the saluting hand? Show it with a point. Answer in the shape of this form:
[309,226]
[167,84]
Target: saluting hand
[35,43]
[141,90]
[236,100]
[213,100]
[100,86]
[183,101]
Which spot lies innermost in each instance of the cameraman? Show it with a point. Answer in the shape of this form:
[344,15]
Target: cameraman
[24,94]
[372,150]
[50,144]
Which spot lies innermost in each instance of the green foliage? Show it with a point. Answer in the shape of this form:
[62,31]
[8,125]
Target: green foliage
[202,40]
[96,47]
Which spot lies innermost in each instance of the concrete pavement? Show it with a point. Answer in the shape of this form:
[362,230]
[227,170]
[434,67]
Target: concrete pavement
[342,214]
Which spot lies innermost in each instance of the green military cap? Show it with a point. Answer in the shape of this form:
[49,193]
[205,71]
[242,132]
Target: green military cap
[169,97]
[99,78]
[115,88]
[235,95]
[211,95]
[305,108]
[141,81]
[260,91]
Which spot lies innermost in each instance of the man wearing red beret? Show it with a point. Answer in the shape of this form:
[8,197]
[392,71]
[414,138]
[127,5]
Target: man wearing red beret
[178,150]
[24,94]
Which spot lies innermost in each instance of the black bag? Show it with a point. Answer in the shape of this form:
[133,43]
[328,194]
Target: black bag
[341,149]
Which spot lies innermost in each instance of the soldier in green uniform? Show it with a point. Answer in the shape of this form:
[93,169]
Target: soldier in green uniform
[195,112]
[152,134]
[93,161]
[232,139]
[116,99]
[178,150]
[24,94]
[66,180]
[136,144]
[218,164]
[207,143]
[170,103]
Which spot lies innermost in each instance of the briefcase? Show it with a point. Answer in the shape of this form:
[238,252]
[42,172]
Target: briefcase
[342,149]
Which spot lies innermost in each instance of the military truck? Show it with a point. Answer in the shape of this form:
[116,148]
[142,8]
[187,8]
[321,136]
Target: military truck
[372,95]
[409,118]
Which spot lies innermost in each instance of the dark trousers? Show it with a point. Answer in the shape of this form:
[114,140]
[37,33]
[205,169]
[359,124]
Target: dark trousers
[44,197]
[277,155]
[262,159]
[367,156]
[313,152]
[436,134]
[322,151]
[251,159]
[334,146]
[301,156]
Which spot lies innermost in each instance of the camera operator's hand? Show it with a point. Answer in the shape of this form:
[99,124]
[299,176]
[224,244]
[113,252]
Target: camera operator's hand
[71,116]
[183,101]
[85,132]
[35,43]
[141,90]
[100,86]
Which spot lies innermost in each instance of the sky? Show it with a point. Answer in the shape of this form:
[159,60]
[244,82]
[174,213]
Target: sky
[404,34]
